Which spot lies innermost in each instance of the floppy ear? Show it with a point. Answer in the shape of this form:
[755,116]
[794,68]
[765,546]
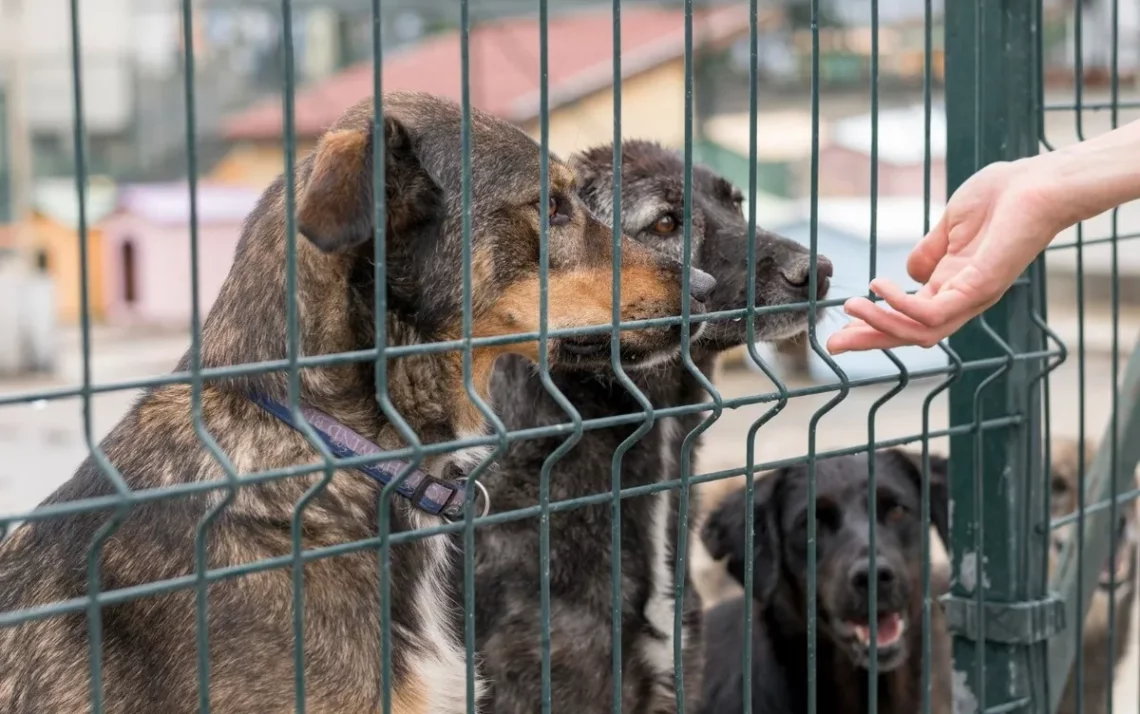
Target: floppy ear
[335,207]
[911,461]
[724,535]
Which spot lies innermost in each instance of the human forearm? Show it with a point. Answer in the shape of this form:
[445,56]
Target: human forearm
[1089,178]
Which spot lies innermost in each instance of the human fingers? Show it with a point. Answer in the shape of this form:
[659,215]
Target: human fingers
[898,325]
[955,301]
[858,337]
[928,252]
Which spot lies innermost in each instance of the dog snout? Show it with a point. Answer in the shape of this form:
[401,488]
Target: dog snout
[860,576]
[701,284]
[798,275]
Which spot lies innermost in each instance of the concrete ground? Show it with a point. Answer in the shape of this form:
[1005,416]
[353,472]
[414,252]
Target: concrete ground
[41,442]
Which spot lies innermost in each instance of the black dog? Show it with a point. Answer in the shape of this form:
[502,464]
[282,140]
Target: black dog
[508,578]
[780,625]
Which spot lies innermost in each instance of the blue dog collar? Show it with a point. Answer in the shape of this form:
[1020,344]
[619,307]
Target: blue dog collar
[427,493]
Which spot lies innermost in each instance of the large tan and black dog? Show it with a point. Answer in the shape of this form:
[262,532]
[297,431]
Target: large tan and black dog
[149,650]
[1067,455]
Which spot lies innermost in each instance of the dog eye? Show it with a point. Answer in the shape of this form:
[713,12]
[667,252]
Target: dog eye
[1059,486]
[665,225]
[895,512]
[827,516]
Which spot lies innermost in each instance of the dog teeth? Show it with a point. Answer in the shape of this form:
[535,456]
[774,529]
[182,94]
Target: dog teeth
[890,631]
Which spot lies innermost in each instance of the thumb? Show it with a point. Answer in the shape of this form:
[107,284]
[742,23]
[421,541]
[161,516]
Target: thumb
[928,252]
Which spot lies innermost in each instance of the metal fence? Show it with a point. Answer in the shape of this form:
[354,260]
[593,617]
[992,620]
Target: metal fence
[1015,626]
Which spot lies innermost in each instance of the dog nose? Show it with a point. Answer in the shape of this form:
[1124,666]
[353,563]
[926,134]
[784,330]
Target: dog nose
[860,575]
[701,284]
[798,275]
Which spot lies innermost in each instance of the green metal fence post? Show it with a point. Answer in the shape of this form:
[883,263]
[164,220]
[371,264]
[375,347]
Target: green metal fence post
[997,610]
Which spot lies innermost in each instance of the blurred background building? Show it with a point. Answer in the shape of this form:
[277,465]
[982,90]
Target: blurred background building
[133,72]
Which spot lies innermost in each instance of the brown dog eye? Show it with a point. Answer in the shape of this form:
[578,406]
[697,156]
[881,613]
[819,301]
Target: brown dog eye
[895,513]
[552,208]
[665,225]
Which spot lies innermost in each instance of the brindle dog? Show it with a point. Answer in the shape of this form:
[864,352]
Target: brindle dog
[1098,686]
[508,577]
[149,649]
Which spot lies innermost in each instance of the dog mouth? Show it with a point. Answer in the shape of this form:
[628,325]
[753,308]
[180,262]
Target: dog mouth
[779,326]
[586,345]
[888,644]
[636,351]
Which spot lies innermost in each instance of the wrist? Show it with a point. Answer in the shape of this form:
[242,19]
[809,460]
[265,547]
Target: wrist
[1083,180]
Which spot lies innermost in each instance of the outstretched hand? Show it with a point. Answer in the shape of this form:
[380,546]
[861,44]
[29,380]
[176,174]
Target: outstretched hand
[993,227]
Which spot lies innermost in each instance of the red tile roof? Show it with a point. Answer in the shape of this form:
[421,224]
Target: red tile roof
[504,65]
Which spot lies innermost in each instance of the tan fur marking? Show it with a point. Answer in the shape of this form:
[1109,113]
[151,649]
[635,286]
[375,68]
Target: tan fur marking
[344,147]
[468,417]
[410,697]
[332,193]
[579,298]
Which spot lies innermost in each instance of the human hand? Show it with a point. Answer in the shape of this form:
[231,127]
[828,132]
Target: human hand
[994,226]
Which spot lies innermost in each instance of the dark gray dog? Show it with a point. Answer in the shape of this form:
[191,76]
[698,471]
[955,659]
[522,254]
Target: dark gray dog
[149,644]
[508,577]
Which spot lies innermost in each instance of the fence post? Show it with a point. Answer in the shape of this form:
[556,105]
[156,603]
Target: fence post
[997,610]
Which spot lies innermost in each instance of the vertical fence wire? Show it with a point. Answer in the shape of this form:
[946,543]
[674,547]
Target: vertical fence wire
[757,358]
[680,570]
[1041,320]
[544,357]
[904,379]
[1078,674]
[1045,506]
[622,378]
[122,491]
[293,350]
[1114,371]
[844,386]
[201,554]
[488,414]
[955,366]
[380,326]
[1039,511]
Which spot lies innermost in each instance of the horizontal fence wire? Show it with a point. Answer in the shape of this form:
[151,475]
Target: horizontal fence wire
[996,376]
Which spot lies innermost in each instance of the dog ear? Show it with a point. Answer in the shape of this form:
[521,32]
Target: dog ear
[911,461]
[335,207]
[724,534]
[585,165]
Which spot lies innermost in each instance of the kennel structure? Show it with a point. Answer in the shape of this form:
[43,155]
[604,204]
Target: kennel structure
[1015,625]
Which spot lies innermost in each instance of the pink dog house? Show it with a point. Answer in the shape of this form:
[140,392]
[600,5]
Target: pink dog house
[147,250]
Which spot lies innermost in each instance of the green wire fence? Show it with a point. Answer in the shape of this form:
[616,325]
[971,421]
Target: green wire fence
[1016,627]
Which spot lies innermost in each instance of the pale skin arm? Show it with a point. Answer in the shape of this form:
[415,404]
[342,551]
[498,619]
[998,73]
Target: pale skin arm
[994,226]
